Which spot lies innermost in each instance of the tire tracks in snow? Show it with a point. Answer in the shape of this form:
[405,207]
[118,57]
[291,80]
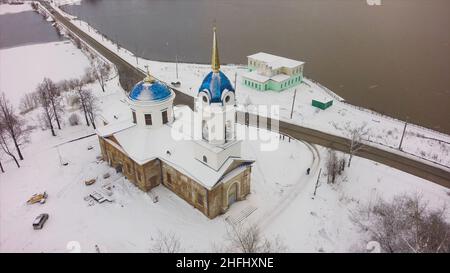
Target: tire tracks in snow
[266,219]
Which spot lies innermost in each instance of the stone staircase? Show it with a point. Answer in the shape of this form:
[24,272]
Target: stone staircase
[237,218]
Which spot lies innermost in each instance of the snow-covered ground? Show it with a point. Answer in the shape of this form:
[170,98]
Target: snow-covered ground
[281,194]
[18,75]
[7,9]
[281,191]
[385,132]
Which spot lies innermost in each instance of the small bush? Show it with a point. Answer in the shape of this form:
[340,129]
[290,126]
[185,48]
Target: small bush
[74,119]
[406,224]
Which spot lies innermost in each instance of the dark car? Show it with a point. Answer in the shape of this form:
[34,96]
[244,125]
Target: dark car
[40,221]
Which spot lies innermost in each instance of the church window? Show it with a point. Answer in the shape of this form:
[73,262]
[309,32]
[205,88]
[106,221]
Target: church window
[164,117]
[199,199]
[227,98]
[205,159]
[148,119]
[134,116]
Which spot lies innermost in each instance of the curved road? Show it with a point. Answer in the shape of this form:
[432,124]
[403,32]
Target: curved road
[130,75]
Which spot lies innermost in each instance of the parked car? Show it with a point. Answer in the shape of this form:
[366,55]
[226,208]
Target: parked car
[40,221]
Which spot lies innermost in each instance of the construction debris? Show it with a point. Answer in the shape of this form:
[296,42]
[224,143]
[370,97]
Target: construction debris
[107,189]
[99,197]
[38,198]
[90,182]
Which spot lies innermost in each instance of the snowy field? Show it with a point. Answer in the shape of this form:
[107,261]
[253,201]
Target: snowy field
[281,192]
[431,146]
[8,9]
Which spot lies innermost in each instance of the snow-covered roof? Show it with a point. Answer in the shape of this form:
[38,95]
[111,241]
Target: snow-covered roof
[143,145]
[255,76]
[216,83]
[115,127]
[280,77]
[275,61]
[150,91]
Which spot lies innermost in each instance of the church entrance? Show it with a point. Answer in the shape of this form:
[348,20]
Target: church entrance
[232,194]
[119,168]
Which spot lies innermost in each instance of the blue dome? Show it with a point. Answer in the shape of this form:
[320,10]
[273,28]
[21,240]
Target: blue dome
[215,83]
[146,91]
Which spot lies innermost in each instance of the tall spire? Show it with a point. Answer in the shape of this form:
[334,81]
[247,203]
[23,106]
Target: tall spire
[149,78]
[215,64]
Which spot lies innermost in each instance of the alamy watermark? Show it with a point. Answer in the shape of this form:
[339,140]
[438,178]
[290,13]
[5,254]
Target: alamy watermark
[223,124]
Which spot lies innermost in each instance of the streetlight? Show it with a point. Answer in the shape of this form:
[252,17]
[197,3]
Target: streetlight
[403,134]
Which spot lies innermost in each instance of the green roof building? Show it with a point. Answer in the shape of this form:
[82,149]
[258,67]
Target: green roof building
[270,72]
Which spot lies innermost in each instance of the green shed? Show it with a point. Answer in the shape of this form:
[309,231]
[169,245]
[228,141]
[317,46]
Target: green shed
[321,105]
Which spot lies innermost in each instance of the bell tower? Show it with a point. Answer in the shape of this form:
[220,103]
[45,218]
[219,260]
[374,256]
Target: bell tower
[215,103]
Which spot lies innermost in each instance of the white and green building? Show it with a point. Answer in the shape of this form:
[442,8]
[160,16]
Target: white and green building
[270,72]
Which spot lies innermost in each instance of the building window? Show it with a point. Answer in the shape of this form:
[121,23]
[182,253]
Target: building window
[138,175]
[164,117]
[205,159]
[199,199]
[169,178]
[148,119]
[134,116]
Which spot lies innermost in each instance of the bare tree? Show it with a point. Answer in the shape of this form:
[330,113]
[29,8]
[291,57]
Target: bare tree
[53,94]
[356,135]
[90,102]
[333,166]
[34,5]
[13,126]
[166,243]
[405,225]
[1,166]
[248,239]
[78,85]
[100,71]
[28,102]
[5,147]
[44,100]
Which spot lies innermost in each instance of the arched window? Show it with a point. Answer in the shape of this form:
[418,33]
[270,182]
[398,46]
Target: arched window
[205,159]
[134,116]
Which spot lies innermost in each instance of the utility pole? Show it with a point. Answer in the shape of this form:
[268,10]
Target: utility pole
[293,102]
[135,54]
[176,67]
[403,135]
[317,182]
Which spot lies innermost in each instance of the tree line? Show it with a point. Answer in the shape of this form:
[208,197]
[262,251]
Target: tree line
[14,131]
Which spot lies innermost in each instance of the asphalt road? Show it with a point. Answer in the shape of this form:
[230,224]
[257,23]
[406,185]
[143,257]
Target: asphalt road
[129,75]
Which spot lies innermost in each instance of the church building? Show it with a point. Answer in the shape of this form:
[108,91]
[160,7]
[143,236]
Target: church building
[208,172]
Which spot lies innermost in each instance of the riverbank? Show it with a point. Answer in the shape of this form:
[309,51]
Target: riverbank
[133,222]
[386,132]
